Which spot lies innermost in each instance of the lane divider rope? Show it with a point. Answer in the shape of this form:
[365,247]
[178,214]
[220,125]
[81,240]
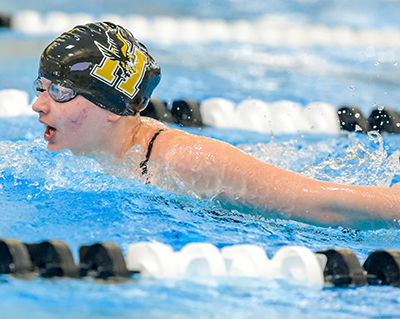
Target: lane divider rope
[253,115]
[105,261]
[269,30]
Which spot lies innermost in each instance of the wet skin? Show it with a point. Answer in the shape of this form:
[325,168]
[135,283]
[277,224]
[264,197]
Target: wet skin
[208,167]
[78,125]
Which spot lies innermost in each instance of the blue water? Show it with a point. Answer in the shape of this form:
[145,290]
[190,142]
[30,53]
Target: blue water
[45,195]
[358,14]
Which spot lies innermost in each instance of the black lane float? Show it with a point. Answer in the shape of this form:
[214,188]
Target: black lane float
[105,261]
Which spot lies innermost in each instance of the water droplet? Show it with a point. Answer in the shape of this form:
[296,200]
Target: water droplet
[398,124]
[381,107]
[313,128]
[396,63]
[357,115]
[377,63]
[352,87]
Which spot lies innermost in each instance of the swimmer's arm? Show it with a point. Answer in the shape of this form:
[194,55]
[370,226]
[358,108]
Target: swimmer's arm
[209,166]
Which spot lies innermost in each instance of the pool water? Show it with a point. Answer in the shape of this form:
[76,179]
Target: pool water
[46,195]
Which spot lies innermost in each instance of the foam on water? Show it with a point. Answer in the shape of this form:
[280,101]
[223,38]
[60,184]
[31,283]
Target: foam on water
[47,195]
[361,161]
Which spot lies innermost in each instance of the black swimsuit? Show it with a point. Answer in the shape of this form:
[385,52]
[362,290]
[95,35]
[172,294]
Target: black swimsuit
[143,165]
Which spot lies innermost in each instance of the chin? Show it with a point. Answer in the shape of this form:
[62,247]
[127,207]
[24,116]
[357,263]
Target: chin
[55,147]
[78,151]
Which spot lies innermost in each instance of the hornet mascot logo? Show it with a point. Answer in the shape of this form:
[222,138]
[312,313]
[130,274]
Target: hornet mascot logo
[124,56]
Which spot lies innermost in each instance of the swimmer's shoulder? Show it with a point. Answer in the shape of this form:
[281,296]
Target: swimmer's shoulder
[169,139]
[167,135]
[174,145]
[170,143]
[152,123]
[161,138]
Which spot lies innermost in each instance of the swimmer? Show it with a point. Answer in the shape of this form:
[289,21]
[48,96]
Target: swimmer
[94,81]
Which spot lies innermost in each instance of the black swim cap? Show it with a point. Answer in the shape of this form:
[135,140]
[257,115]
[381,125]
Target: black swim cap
[104,63]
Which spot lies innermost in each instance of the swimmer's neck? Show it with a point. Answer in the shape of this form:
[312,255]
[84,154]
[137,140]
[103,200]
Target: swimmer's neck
[121,133]
[124,133]
[128,130]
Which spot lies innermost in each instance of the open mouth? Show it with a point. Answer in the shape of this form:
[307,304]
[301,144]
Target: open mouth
[49,132]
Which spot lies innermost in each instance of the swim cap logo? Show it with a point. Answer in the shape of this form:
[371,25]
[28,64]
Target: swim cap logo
[122,66]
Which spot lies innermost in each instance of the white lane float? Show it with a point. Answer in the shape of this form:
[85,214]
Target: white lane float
[269,29]
[288,117]
[254,115]
[245,260]
[297,265]
[277,117]
[152,260]
[292,264]
[200,259]
[218,112]
[14,103]
[322,117]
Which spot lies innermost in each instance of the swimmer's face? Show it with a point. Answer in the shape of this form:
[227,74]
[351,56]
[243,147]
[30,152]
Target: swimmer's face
[77,125]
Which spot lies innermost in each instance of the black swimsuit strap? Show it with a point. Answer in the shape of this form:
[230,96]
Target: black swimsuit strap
[143,165]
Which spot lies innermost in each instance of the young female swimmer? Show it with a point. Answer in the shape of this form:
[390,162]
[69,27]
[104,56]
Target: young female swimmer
[94,80]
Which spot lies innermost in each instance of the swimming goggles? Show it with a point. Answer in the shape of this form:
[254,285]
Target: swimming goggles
[57,92]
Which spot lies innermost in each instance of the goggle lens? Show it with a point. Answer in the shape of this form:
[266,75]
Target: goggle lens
[57,92]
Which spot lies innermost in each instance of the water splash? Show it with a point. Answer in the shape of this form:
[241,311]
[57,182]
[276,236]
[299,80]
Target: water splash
[30,164]
[360,165]
[365,161]
[290,155]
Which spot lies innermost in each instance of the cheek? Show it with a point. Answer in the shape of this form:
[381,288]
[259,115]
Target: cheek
[74,118]
[79,118]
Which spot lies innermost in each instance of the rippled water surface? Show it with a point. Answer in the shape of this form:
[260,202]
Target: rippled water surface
[45,195]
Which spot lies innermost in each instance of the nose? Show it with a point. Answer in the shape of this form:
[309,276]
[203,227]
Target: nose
[41,104]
